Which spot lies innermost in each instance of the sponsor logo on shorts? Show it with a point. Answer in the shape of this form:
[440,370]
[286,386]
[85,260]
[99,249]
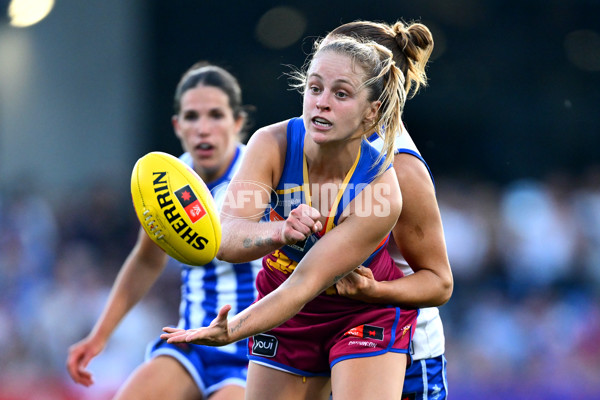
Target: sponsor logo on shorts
[366,332]
[405,329]
[264,345]
[363,343]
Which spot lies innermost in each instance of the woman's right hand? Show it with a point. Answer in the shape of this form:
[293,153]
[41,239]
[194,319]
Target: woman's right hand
[302,222]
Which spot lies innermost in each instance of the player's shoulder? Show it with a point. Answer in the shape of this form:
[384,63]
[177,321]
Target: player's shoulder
[266,150]
[270,136]
[411,168]
[404,142]
[415,181]
[409,164]
[187,159]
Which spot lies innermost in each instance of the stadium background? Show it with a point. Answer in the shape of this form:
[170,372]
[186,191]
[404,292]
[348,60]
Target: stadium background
[509,126]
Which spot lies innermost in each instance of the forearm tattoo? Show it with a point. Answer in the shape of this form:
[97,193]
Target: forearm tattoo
[337,278]
[258,242]
[237,327]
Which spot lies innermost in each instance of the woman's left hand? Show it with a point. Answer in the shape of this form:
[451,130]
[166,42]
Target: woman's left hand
[358,284]
[216,334]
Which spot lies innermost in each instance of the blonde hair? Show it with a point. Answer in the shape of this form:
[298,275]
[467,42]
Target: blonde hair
[410,43]
[383,80]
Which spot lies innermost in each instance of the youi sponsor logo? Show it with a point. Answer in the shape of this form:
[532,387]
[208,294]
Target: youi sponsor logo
[264,345]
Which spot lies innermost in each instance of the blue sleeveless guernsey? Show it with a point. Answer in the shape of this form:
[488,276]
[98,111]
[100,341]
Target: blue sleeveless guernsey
[330,328]
[293,188]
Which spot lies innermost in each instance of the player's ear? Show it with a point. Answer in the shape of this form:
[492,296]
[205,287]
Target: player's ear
[176,128]
[239,124]
[372,111]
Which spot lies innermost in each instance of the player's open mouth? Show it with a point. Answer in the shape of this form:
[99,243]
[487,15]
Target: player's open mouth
[204,146]
[204,150]
[321,122]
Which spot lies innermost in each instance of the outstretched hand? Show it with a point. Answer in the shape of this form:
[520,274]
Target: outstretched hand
[216,334]
[358,284]
[80,355]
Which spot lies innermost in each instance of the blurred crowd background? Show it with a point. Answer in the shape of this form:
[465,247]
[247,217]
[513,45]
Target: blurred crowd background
[509,126]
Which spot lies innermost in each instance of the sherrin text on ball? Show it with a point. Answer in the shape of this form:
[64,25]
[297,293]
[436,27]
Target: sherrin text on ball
[175,208]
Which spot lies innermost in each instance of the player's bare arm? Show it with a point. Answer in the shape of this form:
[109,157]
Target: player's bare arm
[245,239]
[140,271]
[310,277]
[419,236]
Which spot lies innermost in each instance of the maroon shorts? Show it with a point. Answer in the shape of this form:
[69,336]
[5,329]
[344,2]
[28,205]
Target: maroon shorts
[330,329]
[312,350]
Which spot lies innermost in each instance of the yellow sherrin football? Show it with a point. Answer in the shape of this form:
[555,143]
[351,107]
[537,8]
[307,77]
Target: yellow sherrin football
[176,208]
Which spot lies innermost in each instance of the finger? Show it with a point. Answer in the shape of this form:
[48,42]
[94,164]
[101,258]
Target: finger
[304,211]
[224,311]
[302,226]
[80,375]
[317,227]
[82,368]
[341,286]
[291,235]
[312,213]
[170,329]
[307,226]
[310,219]
[76,367]
[85,378]
[166,336]
[365,272]
[171,332]
[178,338]
[191,337]
[72,365]
[351,276]
[295,231]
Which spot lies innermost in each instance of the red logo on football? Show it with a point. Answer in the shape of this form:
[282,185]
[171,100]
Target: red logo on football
[193,208]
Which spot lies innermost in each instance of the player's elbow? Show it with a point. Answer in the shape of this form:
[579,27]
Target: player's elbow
[229,254]
[222,254]
[446,287]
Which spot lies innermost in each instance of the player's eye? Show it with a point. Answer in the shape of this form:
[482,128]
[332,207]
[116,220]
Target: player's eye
[217,114]
[190,116]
